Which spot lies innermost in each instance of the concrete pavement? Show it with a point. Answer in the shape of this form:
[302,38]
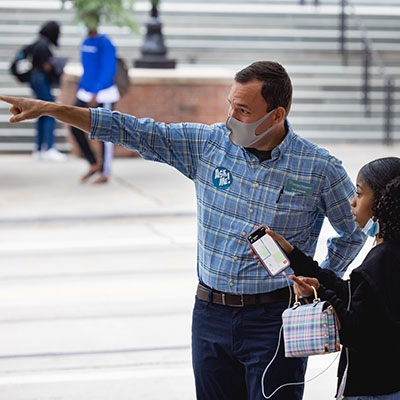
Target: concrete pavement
[39,190]
[32,190]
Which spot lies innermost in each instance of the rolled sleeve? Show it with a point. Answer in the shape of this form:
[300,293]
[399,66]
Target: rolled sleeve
[179,145]
[101,124]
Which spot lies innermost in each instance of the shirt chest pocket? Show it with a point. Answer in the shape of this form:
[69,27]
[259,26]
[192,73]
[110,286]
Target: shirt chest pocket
[296,203]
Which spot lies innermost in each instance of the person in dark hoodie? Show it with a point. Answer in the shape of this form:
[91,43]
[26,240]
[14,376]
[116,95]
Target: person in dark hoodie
[370,326]
[41,77]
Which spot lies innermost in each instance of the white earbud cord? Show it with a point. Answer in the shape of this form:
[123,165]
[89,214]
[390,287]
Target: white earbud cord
[276,353]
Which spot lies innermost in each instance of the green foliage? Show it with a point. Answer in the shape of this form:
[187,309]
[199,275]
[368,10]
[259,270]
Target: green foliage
[92,12]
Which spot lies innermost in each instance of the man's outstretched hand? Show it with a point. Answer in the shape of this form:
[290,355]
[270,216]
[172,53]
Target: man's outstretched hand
[23,109]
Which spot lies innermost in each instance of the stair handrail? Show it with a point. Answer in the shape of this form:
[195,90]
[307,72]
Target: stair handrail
[370,57]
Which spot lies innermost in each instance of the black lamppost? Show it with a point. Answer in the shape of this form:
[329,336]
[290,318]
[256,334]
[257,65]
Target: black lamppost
[154,52]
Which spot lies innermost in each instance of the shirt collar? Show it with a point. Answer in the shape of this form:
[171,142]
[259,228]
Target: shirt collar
[283,146]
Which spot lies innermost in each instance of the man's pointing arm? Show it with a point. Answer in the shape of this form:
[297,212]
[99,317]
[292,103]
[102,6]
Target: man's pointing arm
[24,109]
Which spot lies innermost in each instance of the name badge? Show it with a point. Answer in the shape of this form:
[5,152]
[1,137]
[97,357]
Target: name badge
[222,178]
[299,187]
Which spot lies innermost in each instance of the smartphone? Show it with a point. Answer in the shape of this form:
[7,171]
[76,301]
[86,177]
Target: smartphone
[268,251]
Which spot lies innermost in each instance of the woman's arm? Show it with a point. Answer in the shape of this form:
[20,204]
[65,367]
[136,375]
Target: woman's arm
[307,267]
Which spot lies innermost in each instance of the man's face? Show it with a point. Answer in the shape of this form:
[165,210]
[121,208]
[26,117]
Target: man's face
[247,105]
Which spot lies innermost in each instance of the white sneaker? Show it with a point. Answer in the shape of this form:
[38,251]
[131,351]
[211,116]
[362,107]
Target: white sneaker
[53,155]
[37,155]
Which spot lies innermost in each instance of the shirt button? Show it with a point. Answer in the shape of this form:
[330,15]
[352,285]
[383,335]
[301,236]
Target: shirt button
[244,233]
[251,210]
[235,258]
[231,283]
[256,185]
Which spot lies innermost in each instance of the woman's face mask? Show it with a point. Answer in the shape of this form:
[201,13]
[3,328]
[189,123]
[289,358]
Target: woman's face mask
[371,228]
[243,134]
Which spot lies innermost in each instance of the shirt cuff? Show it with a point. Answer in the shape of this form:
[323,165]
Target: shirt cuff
[100,124]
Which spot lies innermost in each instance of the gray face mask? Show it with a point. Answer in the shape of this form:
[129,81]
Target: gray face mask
[243,134]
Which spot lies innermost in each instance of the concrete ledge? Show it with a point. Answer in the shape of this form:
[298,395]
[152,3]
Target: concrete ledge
[177,76]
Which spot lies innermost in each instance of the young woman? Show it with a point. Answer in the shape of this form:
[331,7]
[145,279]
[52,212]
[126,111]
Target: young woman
[40,81]
[370,329]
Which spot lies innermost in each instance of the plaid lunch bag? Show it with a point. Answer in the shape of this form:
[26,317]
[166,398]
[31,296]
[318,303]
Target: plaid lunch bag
[310,329]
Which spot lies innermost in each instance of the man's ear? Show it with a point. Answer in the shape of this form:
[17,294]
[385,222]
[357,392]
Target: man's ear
[279,115]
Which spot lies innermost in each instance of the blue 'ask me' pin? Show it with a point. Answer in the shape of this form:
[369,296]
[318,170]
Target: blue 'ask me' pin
[222,178]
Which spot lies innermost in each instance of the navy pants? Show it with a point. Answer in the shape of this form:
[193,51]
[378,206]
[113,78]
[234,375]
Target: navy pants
[45,124]
[231,348]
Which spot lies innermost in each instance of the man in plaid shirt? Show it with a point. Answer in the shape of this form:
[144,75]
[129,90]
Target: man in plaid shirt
[253,169]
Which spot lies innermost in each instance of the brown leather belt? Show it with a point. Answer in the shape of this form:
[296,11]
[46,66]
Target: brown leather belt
[241,300]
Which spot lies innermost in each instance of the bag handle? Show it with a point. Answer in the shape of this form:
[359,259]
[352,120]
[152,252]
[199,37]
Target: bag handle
[315,301]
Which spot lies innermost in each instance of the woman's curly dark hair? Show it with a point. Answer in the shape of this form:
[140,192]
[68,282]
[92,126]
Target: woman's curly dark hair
[387,211]
[383,177]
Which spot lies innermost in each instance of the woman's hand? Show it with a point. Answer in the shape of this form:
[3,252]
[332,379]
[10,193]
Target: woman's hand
[285,245]
[303,285]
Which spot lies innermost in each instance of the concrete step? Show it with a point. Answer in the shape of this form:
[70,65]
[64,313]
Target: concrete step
[344,135]
[72,34]
[22,90]
[207,21]
[320,71]
[296,42]
[335,96]
[338,110]
[238,7]
[28,147]
[27,12]
[335,123]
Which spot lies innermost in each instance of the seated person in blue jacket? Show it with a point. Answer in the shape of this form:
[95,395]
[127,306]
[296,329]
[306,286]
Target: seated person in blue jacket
[250,170]
[96,88]
[370,329]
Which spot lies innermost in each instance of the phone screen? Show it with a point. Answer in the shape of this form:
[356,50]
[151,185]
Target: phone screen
[268,251]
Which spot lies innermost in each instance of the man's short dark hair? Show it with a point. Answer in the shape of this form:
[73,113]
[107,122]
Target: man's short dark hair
[276,88]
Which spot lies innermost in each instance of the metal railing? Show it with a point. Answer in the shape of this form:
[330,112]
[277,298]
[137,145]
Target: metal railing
[370,58]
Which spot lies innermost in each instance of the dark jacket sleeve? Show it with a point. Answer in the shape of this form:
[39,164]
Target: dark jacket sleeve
[306,266]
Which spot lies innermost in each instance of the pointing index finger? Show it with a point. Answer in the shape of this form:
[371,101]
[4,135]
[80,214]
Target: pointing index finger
[8,99]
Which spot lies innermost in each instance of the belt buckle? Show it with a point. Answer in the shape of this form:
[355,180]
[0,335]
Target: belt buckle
[241,301]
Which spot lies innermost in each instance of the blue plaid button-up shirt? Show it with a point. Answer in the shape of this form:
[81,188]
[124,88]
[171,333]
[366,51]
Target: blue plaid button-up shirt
[235,192]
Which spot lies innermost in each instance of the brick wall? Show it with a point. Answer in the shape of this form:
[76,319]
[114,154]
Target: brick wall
[178,95]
